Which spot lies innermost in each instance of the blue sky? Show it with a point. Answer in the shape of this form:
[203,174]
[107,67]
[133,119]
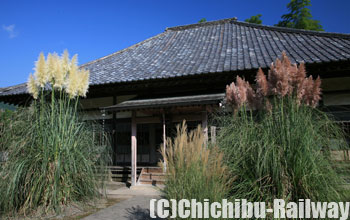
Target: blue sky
[97,28]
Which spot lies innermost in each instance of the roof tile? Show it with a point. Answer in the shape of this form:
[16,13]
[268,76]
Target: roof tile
[223,45]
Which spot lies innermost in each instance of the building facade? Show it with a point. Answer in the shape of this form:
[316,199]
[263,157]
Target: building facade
[142,92]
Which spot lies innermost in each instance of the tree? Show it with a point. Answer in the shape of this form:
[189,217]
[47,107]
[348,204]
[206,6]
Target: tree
[202,20]
[255,19]
[299,16]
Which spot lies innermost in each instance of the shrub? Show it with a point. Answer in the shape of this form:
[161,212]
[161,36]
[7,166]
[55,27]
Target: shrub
[53,154]
[5,121]
[276,144]
[193,170]
[283,154]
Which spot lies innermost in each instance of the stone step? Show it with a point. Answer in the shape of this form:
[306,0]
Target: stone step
[153,170]
[151,182]
[152,177]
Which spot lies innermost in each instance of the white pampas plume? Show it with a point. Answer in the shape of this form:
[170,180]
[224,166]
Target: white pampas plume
[32,87]
[83,83]
[50,67]
[65,61]
[73,78]
[59,73]
[72,82]
[74,62]
[40,71]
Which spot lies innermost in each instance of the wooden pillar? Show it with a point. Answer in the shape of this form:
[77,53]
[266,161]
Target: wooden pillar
[133,148]
[213,135]
[164,140]
[205,124]
[103,127]
[114,126]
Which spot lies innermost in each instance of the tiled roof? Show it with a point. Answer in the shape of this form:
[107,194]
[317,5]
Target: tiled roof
[167,102]
[217,46]
[14,90]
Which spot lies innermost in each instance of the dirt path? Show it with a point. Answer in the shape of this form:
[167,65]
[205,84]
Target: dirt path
[134,208]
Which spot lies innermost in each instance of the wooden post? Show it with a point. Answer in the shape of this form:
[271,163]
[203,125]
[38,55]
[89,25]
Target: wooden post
[164,140]
[133,148]
[114,134]
[213,134]
[205,125]
[103,126]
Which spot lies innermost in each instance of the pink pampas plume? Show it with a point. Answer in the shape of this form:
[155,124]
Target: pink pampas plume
[261,83]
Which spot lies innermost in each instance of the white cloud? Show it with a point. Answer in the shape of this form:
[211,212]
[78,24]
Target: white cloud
[10,29]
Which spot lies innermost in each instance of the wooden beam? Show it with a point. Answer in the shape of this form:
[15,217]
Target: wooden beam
[175,118]
[187,117]
[205,124]
[133,149]
[148,120]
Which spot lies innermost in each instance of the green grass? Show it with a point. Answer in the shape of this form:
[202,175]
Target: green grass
[53,159]
[282,153]
[194,171]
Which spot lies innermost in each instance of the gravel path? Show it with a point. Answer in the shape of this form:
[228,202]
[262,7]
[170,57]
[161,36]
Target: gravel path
[134,208]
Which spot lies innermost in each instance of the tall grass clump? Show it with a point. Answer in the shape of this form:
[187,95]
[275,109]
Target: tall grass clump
[193,170]
[276,143]
[5,121]
[53,154]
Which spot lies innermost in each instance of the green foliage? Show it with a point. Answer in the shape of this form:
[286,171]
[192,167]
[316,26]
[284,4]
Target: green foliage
[5,121]
[255,19]
[299,16]
[283,153]
[193,170]
[54,158]
[7,106]
[202,20]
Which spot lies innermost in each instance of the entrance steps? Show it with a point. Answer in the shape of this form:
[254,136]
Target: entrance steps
[151,176]
[122,173]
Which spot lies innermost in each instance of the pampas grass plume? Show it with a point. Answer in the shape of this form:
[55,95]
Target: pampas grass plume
[284,79]
[32,87]
[316,92]
[41,71]
[72,81]
[50,67]
[242,90]
[59,73]
[65,61]
[232,95]
[83,83]
[262,84]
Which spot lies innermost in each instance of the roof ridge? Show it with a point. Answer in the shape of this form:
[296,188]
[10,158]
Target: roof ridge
[207,23]
[5,89]
[123,50]
[262,26]
[223,21]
